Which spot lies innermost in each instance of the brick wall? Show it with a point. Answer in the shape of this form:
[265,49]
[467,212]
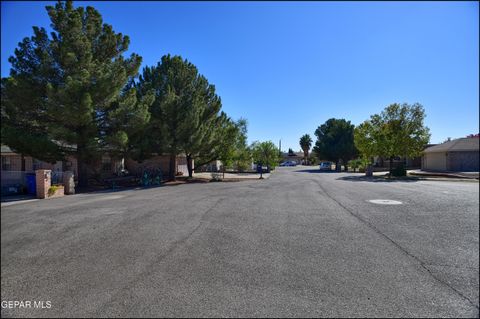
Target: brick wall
[463,161]
[16,163]
[43,182]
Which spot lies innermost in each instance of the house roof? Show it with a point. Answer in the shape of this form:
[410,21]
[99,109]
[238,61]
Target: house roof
[458,145]
[297,154]
[6,149]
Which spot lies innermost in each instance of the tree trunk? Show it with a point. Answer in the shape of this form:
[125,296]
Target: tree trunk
[82,166]
[338,168]
[189,166]
[223,169]
[172,167]
[82,172]
[391,164]
[23,162]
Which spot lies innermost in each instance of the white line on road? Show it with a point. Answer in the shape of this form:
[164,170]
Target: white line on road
[384,202]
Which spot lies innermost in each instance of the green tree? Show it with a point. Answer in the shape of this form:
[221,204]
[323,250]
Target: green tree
[355,163]
[229,144]
[64,94]
[265,153]
[242,155]
[335,141]
[184,114]
[227,133]
[398,130]
[366,137]
[305,144]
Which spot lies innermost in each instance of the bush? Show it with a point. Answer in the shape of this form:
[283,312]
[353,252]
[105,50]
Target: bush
[355,163]
[216,177]
[399,171]
[52,190]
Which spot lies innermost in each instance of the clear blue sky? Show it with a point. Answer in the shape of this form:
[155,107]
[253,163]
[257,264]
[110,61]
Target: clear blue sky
[289,66]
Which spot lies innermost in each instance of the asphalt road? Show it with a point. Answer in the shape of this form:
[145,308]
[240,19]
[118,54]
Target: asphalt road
[299,244]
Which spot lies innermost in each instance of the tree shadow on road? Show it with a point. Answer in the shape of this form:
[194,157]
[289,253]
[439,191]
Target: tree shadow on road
[315,171]
[378,179]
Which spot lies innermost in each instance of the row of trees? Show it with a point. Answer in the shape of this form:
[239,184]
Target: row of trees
[398,131]
[74,93]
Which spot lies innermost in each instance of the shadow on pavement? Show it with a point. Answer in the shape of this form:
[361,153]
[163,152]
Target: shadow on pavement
[315,171]
[378,179]
[16,198]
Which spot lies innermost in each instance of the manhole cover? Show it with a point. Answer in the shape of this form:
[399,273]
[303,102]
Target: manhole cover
[385,202]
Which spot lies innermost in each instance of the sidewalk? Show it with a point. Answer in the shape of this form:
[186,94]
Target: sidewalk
[230,176]
[469,175]
[16,199]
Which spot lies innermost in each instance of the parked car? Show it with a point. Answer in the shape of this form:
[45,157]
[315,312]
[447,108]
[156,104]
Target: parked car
[288,163]
[325,166]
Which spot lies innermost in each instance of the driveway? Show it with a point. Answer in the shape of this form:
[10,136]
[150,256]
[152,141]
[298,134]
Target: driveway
[299,244]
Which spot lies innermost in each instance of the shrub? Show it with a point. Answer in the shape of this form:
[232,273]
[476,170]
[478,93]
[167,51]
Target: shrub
[399,171]
[52,190]
[216,177]
[355,163]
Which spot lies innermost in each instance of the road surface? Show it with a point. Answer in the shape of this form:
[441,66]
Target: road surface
[299,244]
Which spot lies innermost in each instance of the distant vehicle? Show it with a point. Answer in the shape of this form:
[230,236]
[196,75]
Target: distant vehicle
[289,163]
[325,166]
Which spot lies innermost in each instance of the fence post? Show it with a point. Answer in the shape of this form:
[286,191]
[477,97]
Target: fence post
[68,183]
[43,178]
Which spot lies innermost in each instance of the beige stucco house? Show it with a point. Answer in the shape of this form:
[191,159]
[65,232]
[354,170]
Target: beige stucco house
[459,155]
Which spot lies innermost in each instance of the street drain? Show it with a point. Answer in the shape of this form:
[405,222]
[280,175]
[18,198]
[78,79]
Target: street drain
[385,202]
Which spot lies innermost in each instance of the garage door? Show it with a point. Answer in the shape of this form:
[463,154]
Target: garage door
[436,161]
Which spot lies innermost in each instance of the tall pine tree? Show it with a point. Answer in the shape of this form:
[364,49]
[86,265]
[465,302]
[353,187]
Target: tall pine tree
[65,94]
[185,112]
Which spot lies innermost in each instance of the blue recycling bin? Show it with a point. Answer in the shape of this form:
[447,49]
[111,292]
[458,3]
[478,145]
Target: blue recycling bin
[31,184]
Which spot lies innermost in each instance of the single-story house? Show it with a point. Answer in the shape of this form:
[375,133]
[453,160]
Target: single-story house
[14,172]
[213,166]
[12,161]
[459,155]
[155,162]
[298,157]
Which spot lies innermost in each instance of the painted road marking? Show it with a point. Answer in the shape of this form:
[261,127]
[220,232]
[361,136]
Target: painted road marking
[384,202]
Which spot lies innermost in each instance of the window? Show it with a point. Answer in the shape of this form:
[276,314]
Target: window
[6,163]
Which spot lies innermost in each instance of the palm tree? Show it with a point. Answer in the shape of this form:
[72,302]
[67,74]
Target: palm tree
[305,144]
[265,153]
